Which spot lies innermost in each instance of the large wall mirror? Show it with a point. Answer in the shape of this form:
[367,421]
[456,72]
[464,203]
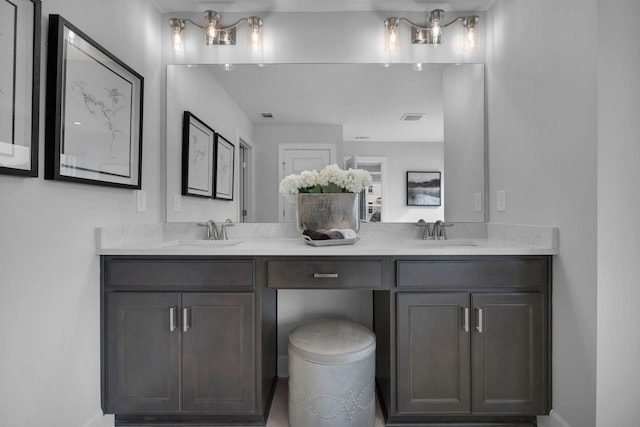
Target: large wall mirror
[393,119]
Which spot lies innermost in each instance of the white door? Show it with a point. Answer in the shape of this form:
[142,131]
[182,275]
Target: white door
[293,159]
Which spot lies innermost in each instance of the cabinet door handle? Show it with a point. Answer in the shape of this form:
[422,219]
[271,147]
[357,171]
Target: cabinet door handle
[325,275]
[465,311]
[172,319]
[185,319]
[479,325]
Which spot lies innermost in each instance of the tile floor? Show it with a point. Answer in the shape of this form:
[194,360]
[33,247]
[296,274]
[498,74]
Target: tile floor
[279,416]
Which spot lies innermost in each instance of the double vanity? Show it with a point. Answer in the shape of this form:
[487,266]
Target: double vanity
[189,326]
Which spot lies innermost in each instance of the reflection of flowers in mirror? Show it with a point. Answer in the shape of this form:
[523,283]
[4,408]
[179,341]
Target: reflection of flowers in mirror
[331,179]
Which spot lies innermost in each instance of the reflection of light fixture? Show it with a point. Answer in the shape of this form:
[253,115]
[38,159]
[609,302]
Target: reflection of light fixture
[214,33]
[432,32]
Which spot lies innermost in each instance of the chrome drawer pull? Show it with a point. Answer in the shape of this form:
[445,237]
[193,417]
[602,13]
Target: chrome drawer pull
[185,319]
[479,325]
[466,319]
[325,275]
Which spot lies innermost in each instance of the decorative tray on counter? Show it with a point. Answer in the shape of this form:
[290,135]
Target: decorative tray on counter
[329,242]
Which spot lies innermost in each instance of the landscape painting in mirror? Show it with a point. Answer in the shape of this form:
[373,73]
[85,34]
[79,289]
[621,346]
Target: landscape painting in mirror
[423,188]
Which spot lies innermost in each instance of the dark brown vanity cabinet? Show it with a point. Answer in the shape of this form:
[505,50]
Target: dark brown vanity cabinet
[172,352]
[468,347]
[179,346]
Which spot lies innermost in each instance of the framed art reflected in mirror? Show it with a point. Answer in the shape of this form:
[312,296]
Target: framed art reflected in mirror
[225,155]
[423,188]
[198,151]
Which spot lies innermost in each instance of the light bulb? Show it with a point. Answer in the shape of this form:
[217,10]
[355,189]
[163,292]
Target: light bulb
[212,22]
[254,37]
[177,35]
[435,33]
[471,38]
[392,40]
[178,41]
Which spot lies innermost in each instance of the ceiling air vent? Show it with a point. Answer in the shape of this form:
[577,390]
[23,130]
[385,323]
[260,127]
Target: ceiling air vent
[266,115]
[412,117]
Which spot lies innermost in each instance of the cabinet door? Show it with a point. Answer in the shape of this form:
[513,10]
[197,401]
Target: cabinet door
[433,353]
[509,353]
[142,353]
[218,356]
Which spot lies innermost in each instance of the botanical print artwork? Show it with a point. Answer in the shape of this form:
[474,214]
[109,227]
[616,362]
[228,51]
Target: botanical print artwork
[200,143]
[7,76]
[224,170]
[101,110]
[97,115]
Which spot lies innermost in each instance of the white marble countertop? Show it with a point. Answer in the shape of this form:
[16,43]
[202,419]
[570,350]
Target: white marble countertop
[378,240]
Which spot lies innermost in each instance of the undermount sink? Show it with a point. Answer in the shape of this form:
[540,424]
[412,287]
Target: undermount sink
[451,242]
[202,244]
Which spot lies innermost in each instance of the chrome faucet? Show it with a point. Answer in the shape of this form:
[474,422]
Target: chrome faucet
[439,230]
[433,231]
[427,230]
[212,232]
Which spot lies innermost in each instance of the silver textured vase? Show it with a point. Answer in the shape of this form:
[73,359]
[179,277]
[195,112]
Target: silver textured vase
[317,211]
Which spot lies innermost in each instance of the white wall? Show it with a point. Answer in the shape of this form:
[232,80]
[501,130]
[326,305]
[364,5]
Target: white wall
[542,105]
[50,304]
[204,97]
[618,212]
[403,157]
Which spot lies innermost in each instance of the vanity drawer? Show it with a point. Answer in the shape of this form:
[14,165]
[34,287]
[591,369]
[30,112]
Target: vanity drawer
[183,272]
[473,272]
[325,274]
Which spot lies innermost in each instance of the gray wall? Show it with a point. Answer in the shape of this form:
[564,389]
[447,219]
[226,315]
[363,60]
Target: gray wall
[618,212]
[542,95]
[49,273]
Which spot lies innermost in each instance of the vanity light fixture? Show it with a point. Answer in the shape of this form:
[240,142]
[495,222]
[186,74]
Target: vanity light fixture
[430,33]
[214,33]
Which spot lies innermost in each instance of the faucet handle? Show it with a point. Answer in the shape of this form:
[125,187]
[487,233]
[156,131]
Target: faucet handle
[223,228]
[211,229]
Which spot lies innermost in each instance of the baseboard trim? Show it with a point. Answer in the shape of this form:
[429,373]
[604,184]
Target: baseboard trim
[553,420]
[100,420]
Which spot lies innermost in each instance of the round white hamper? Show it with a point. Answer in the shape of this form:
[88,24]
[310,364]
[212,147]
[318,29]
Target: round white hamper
[332,375]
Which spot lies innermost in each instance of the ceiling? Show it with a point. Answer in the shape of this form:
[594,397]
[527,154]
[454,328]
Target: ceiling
[367,100]
[168,6]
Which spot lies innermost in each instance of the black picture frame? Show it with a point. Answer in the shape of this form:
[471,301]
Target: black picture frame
[424,188]
[20,21]
[198,156]
[93,112]
[225,160]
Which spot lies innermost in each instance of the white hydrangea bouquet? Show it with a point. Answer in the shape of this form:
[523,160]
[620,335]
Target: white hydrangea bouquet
[331,179]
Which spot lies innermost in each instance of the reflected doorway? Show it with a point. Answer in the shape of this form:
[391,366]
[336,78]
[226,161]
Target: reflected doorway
[244,204]
[372,206]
